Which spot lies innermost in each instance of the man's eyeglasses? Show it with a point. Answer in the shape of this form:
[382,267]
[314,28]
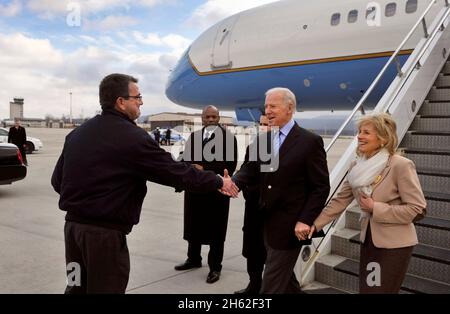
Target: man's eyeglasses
[263,124]
[135,97]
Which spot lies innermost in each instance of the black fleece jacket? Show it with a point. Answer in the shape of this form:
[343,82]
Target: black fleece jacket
[102,172]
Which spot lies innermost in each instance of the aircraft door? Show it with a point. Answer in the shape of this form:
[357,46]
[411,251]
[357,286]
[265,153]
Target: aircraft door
[221,50]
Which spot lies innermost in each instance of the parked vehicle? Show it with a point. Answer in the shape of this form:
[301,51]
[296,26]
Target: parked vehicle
[11,164]
[32,145]
[175,137]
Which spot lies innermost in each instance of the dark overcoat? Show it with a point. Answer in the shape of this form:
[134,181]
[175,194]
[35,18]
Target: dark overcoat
[17,136]
[206,214]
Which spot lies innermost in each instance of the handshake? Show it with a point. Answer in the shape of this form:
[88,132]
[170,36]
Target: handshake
[229,188]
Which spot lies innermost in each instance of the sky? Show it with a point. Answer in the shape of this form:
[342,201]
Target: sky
[51,49]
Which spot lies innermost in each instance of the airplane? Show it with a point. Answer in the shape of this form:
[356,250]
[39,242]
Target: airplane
[327,52]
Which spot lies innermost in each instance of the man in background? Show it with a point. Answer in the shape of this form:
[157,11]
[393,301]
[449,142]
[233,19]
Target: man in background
[253,242]
[18,136]
[206,214]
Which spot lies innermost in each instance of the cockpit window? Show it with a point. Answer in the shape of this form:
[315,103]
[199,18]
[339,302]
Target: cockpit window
[335,19]
[411,6]
[390,9]
[352,16]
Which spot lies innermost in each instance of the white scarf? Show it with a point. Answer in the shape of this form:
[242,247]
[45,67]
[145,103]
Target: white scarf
[365,172]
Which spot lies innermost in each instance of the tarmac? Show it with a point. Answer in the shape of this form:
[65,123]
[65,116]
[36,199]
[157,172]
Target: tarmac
[32,240]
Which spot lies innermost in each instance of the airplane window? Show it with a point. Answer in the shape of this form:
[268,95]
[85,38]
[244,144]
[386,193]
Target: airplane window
[335,19]
[352,16]
[371,13]
[390,9]
[411,6]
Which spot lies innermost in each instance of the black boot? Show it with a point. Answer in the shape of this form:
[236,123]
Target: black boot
[252,288]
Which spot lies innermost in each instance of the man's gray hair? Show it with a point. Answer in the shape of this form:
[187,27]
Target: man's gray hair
[289,96]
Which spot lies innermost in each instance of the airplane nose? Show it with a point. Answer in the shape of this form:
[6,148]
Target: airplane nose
[179,78]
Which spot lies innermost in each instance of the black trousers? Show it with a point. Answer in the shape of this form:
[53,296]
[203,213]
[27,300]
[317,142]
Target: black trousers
[279,276]
[23,153]
[97,259]
[215,255]
[255,268]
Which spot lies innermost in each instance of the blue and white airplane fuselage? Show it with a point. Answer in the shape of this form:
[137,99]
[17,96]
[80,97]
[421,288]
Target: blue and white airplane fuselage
[328,53]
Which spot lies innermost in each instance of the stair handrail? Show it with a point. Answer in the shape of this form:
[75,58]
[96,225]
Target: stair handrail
[311,261]
[416,61]
[380,75]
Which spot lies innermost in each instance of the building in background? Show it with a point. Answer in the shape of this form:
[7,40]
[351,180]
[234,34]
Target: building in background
[183,122]
[16,109]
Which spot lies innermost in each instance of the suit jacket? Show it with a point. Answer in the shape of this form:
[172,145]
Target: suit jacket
[17,136]
[206,214]
[398,199]
[296,191]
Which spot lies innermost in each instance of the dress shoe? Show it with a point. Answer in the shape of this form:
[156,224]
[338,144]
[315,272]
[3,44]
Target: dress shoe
[250,289]
[188,265]
[213,276]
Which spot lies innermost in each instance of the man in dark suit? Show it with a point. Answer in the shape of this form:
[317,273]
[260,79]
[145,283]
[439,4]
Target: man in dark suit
[168,135]
[18,137]
[253,241]
[206,214]
[292,195]
[157,135]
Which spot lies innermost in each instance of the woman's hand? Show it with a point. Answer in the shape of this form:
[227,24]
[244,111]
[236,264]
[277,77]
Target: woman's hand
[366,203]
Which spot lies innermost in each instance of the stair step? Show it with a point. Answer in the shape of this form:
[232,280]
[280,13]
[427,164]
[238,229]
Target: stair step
[446,68]
[427,261]
[439,94]
[411,283]
[325,273]
[435,108]
[440,197]
[434,231]
[316,287]
[352,218]
[430,231]
[426,158]
[426,140]
[431,123]
[438,205]
[435,223]
[442,81]
[433,181]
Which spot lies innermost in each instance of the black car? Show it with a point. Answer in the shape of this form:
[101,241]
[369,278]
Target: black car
[11,164]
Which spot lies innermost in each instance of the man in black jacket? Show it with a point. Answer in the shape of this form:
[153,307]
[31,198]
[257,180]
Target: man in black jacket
[253,241]
[18,137]
[101,178]
[292,195]
[206,214]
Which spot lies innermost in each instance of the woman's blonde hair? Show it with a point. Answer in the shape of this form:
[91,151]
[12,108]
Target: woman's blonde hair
[385,127]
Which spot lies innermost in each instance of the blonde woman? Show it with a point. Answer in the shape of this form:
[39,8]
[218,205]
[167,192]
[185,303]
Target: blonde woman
[388,191]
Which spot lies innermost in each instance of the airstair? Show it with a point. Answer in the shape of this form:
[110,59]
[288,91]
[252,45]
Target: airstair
[419,101]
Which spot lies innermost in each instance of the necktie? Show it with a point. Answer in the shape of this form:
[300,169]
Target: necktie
[277,142]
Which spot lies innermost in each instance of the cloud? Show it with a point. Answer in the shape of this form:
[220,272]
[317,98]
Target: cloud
[11,9]
[44,75]
[51,8]
[175,42]
[109,23]
[213,11]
